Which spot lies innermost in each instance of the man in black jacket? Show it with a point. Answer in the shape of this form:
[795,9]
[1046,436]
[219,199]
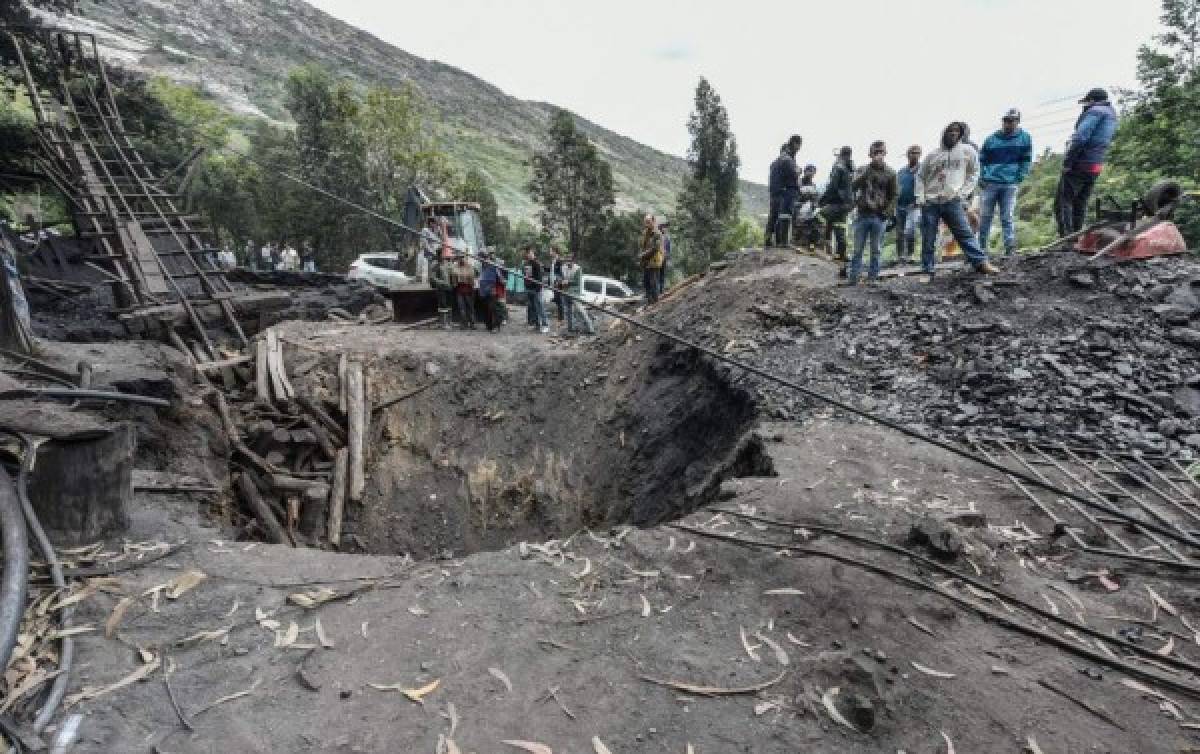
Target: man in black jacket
[836,203]
[783,183]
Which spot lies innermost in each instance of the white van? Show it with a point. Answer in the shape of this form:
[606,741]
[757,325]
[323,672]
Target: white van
[603,291]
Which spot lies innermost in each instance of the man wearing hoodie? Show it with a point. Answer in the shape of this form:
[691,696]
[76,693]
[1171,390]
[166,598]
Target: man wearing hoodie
[837,201]
[783,183]
[1086,151]
[875,192]
[947,178]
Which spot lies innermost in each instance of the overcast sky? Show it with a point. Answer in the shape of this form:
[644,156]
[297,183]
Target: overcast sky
[837,72]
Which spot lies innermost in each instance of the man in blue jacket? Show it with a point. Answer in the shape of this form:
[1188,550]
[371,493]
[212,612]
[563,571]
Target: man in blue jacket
[1004,163]
[1084,160]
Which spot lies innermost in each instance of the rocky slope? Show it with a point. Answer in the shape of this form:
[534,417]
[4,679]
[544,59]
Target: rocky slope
[240,51]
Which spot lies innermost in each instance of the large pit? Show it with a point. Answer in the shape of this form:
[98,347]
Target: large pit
[519,438]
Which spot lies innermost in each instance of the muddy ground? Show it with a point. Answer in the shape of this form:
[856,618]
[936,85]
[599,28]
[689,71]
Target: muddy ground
[500,497]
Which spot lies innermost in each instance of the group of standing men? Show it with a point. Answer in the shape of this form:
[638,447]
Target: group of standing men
[280,256]
[461,287]
[941,189]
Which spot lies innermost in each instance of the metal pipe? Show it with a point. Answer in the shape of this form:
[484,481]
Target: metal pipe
[67,655]
[15,581]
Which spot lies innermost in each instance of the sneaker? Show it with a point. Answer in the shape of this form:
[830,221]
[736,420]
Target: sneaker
[987,268]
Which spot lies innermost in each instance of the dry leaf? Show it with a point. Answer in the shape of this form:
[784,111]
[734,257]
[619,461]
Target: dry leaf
[920,625]
[645,606]
[931,671]
[599,746]
[184,582]
[75,598]
[1166,649]
[949,743]
[92,692]
[65,632]
[213,635]
[789,591]
[587,568]
[714,690]
[780,656]
[228,698]
[1166,606]
[750,650]
[499,675]
[796,641]
[287,638]
[530,746]
[114,620]
[312,598]
[415,695]
[321,637]
[829,700]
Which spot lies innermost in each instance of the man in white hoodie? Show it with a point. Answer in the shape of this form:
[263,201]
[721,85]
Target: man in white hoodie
[945,181]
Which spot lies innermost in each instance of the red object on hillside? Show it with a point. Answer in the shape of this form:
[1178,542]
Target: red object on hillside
[1159,240]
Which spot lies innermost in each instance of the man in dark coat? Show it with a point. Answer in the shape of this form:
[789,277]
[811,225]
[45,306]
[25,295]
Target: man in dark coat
[783,184]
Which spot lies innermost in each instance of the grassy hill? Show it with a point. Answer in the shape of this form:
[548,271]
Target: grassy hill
[240,51]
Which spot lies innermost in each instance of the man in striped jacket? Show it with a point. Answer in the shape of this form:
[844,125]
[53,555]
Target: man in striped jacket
[1004,162]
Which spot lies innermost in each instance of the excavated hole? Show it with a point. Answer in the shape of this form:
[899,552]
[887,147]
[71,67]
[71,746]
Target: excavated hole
[500,451]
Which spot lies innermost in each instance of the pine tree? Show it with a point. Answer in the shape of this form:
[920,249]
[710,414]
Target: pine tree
[713,154]
[708,205]
[572,182]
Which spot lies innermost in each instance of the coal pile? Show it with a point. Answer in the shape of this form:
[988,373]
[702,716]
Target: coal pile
[1055,350]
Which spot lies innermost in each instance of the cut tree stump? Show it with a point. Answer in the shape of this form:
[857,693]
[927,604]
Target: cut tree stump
[82,488]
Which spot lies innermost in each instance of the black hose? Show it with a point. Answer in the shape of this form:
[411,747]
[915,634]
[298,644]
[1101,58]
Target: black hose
[80,394]
[15,581]
[67,655]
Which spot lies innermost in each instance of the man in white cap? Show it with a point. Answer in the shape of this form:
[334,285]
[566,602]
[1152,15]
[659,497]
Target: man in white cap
[1004,162]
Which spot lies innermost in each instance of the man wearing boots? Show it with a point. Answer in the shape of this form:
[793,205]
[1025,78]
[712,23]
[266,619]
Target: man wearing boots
[783,183]
[836,203]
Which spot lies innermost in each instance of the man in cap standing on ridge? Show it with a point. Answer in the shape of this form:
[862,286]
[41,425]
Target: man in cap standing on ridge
[1004,162]
[1084,160]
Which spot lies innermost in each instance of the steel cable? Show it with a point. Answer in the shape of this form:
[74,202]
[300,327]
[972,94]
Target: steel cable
[1169,532]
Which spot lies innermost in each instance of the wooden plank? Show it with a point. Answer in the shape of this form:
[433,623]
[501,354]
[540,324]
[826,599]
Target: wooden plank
[355,414]
[141,251]
[272,529]
[337,497]
[262,378]
[274,368]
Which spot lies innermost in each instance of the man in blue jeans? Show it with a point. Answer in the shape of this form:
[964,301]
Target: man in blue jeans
[875,190]
[947,177]
[534,275]
[906,229]
[1004,162]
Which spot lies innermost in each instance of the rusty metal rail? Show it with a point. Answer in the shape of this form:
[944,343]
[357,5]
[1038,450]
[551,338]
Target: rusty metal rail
[1154,489]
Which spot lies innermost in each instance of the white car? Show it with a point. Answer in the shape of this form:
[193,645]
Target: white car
[382,269]
[604,291]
